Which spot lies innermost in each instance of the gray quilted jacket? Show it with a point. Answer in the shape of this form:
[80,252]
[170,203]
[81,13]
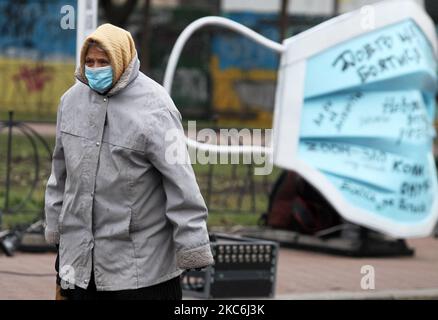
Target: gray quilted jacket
[112,201]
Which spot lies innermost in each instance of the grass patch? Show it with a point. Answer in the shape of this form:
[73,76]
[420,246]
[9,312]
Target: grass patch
[231,219]
[22,176]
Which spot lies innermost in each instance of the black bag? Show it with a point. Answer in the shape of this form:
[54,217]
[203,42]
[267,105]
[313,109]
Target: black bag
[294,204]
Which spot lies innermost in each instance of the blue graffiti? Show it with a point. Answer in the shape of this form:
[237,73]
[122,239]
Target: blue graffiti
[31,29]
[236,51]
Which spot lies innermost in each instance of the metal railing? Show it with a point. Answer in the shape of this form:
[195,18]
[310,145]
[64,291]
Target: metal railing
[33,138]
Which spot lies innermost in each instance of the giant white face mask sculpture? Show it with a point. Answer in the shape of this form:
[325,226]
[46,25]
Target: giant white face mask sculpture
[354,113]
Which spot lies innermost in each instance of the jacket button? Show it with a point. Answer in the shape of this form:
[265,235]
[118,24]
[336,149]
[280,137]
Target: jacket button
[92,194]
[86,281]
[104,99]
[97,143]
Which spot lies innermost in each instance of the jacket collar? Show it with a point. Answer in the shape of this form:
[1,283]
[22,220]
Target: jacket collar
[127,77]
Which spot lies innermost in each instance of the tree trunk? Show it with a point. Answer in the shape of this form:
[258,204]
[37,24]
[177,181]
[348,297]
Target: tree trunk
[144,46]
[118,14]
[283,19]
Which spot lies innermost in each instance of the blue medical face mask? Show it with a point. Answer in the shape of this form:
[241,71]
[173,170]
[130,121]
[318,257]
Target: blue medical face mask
[368,128]
[362,112]
[354,113]
[99,79]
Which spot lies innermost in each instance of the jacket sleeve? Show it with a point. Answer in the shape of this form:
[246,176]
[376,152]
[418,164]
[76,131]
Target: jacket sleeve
[185,206]
[55,187]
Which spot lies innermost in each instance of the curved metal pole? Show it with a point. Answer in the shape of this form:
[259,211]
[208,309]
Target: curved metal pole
[34,184]
[8,160]
[173,60]
[33,136]
[40,138]
[49,157]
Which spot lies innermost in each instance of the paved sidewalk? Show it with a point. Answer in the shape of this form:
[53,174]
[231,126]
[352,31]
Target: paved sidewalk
[43,128]
[27,276]
[301,275]
[313,275]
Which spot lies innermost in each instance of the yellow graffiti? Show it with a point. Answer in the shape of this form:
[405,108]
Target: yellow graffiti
[32,89]
[226,101]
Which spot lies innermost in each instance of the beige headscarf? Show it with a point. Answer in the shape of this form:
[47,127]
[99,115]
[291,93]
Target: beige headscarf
[118,45]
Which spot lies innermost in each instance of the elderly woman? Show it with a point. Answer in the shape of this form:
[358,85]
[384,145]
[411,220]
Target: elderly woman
[127,221]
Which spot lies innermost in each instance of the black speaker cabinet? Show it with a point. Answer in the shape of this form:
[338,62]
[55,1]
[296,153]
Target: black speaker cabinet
[244,267]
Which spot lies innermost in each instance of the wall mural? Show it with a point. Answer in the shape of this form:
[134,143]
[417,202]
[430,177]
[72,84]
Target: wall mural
[244,73]
[37,57]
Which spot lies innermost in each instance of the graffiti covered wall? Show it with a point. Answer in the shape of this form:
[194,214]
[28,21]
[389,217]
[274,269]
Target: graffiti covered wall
[37,57]
[244,73]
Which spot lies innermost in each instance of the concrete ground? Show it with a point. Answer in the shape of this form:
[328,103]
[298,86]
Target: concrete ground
[301,275]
